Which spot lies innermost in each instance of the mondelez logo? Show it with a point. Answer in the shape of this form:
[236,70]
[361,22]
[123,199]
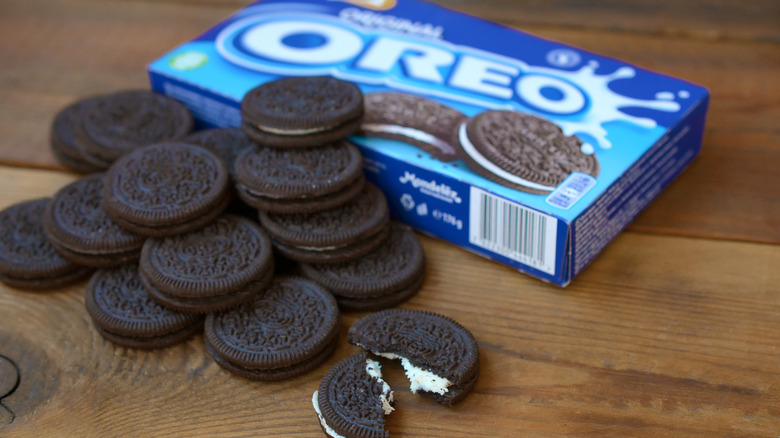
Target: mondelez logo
[417,60]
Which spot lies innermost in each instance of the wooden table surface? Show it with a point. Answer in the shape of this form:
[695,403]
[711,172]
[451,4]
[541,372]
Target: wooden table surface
[674,330]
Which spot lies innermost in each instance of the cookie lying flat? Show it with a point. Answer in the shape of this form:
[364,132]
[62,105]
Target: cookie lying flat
[521,151]
[81,231]
[331,236]
[289,330]
[63,141]
[166,189]
[219,266]
[124,314]
[116,124]
[303,180]
[385,277]
[352,399]
[27,258]
[440,356]
[301,111]
[412,119]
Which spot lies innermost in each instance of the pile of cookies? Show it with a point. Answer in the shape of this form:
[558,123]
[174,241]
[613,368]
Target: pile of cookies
[257,237]
[181,224]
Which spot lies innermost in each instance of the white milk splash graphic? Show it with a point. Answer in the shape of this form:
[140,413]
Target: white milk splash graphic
[607,104]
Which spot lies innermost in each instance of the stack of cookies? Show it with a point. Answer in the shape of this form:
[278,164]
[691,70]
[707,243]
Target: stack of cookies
[307,183]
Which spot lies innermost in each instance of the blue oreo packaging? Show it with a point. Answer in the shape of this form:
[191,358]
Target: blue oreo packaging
[594,141]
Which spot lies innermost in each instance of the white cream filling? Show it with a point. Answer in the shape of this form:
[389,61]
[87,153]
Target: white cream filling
[420,379]
[374,370]
[415,134]
[472,152]
[293,131]
[324,424]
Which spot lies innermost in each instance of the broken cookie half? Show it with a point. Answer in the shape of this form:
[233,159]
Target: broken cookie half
[440,356]
[352,399]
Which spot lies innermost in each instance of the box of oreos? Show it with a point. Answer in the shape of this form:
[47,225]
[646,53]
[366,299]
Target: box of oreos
[527,151]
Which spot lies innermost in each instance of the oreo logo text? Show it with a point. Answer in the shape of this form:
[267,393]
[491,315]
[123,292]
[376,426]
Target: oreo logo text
[319,44]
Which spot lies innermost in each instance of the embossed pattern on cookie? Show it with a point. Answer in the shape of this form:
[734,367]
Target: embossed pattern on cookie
[121,122]
[352,399]
[63,140]
[221,257]
[164,185]
[81,230]
[125,314]
[301,111]
[27,258]
[288,330]
[440,356]
[302,180]
[382,278]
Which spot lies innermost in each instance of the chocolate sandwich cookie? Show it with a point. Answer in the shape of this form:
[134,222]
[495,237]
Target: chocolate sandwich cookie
[227,143]
[522,151]
[302,180]
[352,399]
[166,189]
[440,356]
[63,141]
[385,277]
[81,231]
[116,124]
[124,314]
[27,258]
[219,266]
[413,119]
[331,236]
[289,330]
[301,111]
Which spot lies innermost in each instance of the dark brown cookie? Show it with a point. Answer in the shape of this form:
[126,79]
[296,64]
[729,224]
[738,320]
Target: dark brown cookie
[302,180]
[331,236]
[118,123]
[352,399]
[301,111]
[227,143]
[413,119]
[81,230]
[382,278]
[166,189]
[216,267]
[287,331]
[521,151]
[440,356]
[27,258]
[124,313]
[63,141]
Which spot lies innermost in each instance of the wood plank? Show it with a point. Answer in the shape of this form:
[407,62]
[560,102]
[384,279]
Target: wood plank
[660,336]
[707,19]
[717,198]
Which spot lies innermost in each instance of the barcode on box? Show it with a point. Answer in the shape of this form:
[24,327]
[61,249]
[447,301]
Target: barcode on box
[508,229]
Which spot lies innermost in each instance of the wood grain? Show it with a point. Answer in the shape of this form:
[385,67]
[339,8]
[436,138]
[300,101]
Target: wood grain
[661,336]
